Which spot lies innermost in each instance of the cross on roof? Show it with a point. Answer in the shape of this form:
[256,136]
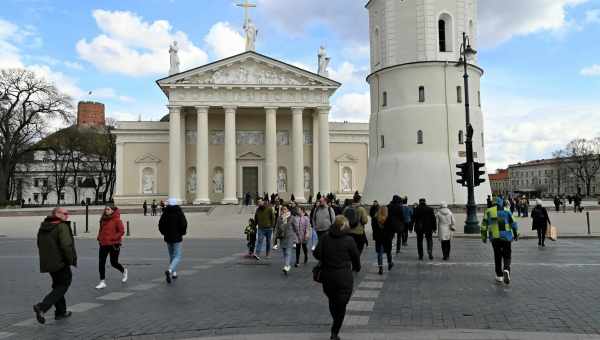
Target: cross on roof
[246,5]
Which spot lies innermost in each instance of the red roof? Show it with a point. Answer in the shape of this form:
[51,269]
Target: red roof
[500,175]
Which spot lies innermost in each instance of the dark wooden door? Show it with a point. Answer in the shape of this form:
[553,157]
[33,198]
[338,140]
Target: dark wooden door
[250,180]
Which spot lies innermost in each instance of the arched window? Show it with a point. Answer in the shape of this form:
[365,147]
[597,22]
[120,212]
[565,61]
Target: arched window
[445,33]
[376,47]
[420,137]
[384,99]
[421,94]
[459,94]
[382,141]
[461,137]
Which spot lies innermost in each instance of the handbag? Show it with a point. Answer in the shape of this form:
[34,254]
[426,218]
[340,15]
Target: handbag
[552,233]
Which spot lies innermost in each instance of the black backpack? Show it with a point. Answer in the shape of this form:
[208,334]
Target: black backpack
[352,215]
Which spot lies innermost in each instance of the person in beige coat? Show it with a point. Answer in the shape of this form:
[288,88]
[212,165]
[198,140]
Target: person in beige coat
[445,224]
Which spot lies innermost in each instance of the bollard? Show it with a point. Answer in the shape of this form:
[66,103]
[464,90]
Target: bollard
[87,214]
[74,228]
[587,215]
[128,234]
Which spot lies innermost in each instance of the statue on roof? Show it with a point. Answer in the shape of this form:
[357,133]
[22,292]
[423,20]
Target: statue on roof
[251,33]
[323,62]
[174,59]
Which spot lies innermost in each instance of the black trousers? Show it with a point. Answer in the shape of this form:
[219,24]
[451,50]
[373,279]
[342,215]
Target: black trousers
[502,255]
[446,249]
[337,308]
[405,236]
[398,241]
[359,239]
[429,237]
[542,234]
[304,249]
[113,251]
[251,242]
[61,280]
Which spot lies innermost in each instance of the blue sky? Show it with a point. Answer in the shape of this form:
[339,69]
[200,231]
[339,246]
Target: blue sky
[542,57]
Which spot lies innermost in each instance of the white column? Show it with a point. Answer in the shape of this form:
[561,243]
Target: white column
[174,152]
[120,159]
[298,154]
[324,156]
[271,150]
[183,161]
[315,167]
[202,156]
[229,175]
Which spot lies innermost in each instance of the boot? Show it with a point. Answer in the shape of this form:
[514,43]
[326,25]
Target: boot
[380,270]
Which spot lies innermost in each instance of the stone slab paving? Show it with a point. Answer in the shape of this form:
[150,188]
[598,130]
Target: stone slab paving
[554,295]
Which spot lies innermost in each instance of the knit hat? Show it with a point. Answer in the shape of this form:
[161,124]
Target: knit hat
[538,202]
[172,201]
[444,205]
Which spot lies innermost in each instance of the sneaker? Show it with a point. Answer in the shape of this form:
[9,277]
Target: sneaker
[168,276]
[275,247]
[125,276]
[390,265]
[285,270]
[256,257]
[313,248]
[63,316]
[101,285]
[380,270]
[499,279]
[506,277]
[174,275]
[39,315]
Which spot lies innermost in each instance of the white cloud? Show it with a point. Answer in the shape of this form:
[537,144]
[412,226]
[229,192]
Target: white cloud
[225,41]
[109,93]
[500,21]
[63,82]
[354,107]
[131,46]
[348,74]
[591,71]
[9,54]
[592,16]
[73,65]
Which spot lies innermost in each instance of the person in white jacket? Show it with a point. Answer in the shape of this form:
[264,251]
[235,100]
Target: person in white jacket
[445,226]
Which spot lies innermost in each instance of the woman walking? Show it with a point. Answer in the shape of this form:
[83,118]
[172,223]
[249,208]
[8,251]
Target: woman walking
[286,237]
[541,221]
[445,224]
[339,256]
[382,237]
[301,225]
[110,237]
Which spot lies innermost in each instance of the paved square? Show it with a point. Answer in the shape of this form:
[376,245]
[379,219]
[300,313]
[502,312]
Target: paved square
[114,296]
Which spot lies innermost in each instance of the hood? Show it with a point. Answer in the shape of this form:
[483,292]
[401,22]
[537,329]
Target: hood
[50,223]
[171,209]
[335,233]
[444,211]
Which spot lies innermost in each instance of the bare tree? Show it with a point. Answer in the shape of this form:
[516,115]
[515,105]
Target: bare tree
[581,157]
[27,104]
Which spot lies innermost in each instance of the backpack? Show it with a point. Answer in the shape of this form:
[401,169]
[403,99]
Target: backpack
[382,215]
[352,215]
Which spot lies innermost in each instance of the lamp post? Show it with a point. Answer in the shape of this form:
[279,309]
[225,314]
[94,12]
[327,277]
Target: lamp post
[472,223]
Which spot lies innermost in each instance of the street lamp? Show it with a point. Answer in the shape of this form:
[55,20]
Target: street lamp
[472,223]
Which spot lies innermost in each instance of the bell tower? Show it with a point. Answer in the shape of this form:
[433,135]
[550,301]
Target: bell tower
[417,121]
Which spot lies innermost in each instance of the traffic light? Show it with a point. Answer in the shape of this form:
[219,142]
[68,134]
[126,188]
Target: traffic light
[462,174]
[478,173]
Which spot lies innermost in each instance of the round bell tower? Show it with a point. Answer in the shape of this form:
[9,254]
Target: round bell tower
[417,122]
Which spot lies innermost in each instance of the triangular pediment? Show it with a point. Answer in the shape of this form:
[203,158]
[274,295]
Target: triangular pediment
[148,158]
[346,158]
[250,156]
[249,69]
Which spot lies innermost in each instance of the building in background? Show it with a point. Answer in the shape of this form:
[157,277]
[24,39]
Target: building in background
[499,182]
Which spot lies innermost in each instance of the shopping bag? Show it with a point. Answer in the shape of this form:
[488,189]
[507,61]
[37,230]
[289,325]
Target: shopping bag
[552,233]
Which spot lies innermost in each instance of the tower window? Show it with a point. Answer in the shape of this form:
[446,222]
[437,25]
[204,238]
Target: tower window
[442,34]
[459,94]
[461,137]
[420,137]
[384,99]
[382,141]
[479,98]
[421,94]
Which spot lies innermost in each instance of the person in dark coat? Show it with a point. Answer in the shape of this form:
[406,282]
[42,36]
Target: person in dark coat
[57,254]
[173,226]
[382,238]
[395,221]
[541,221]
[338,255]
[145,207]
[425,225]
[154,208]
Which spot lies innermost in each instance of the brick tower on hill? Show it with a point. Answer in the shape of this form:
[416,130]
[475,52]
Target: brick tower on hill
[90,114]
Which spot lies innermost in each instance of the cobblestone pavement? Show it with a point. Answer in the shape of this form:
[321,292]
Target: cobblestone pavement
[554,291]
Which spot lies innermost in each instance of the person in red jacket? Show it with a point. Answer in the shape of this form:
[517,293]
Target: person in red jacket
[110,237]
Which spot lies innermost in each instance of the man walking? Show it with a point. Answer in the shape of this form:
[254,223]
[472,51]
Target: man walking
[425,226]
[357,217]
[173,226]
[407,212]
[323,217]
[57,254]
[498,224]
[265,220]
[395,221]
[154,206]
[145,207]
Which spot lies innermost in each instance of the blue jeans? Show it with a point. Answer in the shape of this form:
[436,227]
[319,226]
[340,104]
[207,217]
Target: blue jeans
[262,233]
[174,255]
[287,255]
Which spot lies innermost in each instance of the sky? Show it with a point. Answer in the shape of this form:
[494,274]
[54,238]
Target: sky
[541,58]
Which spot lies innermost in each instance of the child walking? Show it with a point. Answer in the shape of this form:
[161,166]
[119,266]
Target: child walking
[250,231]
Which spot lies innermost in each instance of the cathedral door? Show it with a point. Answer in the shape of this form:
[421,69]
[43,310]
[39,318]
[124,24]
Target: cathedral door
[250,180]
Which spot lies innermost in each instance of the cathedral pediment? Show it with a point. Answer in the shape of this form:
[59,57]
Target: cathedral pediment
[250,156]
[346,158]
[249,69]
[147,158]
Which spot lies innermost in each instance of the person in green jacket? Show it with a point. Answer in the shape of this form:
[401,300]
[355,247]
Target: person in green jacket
[57,254]
[500,227]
